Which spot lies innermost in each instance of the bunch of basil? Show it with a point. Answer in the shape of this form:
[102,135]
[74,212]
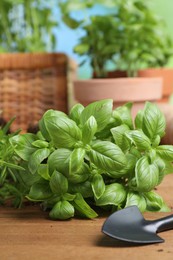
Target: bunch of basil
[95,158]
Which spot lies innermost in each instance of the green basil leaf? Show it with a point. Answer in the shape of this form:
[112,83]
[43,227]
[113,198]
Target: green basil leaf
[101,110]
[81,176]
[75,113]
[120,138]
[161,166]
[147,175]
[40,144]
[168,167]
[36,158]
[58,183]
[114,194]
[59,160]
[139,139]
[76,160]
[43,171]
[68,196]
[42,125]
[39,191]
[107,156]
[139,119]
[83,208]
[98,185]
[63,131]
[165,152]
[83,188]
[153,121]
[154,201]
[134,198]
[62,210]
[22,145]
[124,113]
[89,129]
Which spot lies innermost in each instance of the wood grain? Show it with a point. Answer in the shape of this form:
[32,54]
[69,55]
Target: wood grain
[29,234]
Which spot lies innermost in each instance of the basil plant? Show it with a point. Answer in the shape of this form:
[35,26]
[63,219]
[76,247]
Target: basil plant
[95,159]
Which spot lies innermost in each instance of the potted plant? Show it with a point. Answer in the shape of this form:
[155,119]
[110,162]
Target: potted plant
[77,164]
[33,76]
[127,38]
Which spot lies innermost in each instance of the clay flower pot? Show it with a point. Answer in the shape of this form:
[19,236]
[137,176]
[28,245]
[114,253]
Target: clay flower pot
[121,90]
[166,74]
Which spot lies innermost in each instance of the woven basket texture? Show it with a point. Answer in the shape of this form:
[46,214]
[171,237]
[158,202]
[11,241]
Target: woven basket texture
[30,84]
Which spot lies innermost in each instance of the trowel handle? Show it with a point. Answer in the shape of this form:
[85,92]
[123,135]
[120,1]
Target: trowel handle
[163,224]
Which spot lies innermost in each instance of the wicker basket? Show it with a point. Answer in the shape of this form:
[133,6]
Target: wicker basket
[30,84]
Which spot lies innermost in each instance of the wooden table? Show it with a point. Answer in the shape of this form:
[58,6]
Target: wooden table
[28,234]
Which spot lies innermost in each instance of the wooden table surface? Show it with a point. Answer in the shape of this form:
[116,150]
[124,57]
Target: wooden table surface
[28,234]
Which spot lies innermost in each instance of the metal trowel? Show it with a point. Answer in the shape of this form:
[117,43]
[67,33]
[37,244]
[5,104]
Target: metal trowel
[129,225]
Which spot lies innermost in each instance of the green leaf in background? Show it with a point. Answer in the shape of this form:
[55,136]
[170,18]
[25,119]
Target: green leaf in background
[49,113]
[98,185]
[83,208]
[58,183]
[100,110]
[147,174]
[22,145]
[153,121]
[139,119]
[139,139]
[114,194]
[59,160]
[39,191]
[40,144]
[107,156]
[62,210]
[89,129]
[120,138]
[165,152]
[80,176]
[76,160]
[134,198]
[75,113]
[63,131]
[36,158]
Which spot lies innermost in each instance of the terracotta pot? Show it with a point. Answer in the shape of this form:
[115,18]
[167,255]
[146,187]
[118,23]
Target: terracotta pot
[121,90]
[166,74]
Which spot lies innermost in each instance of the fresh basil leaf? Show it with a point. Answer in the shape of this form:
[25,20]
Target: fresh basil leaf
[139,139]
[107,156]
[165,152]
[119,136]
[98,185]
[58,183]
[100,110]
[62,210]
[42,125]
[83,208]
[68,196]
[63,131]
[40,144]
[153,121]
[22,145]
[39,191]
[81,176]
[139,119]
[134,198]
[147,175]
[75,113]
[76,160]
[114,194]
[83,188]
[168,167]
[36,158]
[124,113]
[59,160]
[161,166]
[89,129]
[43,171]
[154,201]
